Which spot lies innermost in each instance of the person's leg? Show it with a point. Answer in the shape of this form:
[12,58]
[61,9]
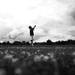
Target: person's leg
[32,37]
[32,40]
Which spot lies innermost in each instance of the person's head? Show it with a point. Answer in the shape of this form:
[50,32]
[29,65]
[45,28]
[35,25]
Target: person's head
[30,27]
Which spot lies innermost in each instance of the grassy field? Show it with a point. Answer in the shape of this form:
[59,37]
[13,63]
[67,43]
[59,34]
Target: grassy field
[68,49]
[55,60]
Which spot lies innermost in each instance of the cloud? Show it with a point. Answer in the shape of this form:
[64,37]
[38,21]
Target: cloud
[72,33]
[54,19]
[70,15]
[5,22]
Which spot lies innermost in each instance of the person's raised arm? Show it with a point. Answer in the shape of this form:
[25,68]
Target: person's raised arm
[34,26]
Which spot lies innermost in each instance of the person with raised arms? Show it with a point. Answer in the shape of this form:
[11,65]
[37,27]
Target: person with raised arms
[32,33]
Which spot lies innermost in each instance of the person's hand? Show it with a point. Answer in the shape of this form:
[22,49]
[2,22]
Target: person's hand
[34,26]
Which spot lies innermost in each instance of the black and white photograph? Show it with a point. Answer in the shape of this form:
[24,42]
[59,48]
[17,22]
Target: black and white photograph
[37,37]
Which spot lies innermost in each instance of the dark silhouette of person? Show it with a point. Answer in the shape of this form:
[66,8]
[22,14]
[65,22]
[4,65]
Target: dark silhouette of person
[32,33]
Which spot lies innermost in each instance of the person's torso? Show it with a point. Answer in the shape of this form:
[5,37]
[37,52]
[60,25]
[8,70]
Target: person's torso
[31,31]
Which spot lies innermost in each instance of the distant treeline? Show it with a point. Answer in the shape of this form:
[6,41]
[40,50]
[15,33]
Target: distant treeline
[48,42]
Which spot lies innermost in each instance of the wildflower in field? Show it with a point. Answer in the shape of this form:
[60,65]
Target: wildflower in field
[28,53]
[6,51]
[18,71]
[73,61]
[2,72]
[48,53]
[23,52]
[51,55]
[41,56]
[35,53]
[14,60]
[8,56]
[38,50]
[1,52]
[73,53]
[12,52]
[45,58]
[37,58]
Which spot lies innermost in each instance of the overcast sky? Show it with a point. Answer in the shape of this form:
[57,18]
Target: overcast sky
[55,19]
